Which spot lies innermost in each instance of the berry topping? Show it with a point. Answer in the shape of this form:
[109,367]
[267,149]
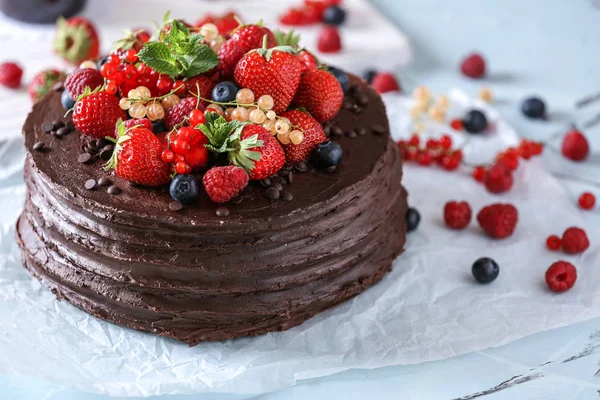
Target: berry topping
[575,240]
[10,75]
[177,114]
[326,155]
[561,276]
[457,215]
[313,134]
[553,243]
[534,107]
[271,156]
[485,270]
[341,76]
[307,60]
[384,82]
[243,40]
[224,92]
[498,220]
[96,114]
[475,121]
[498,179]
[66,100]
[334,15]
[473,66]
[81,78]
[76,40]
[42,83]
[224,183]
[587,201]
[320,93]
[575,146]
[184,189]
[412,219]
[329,40]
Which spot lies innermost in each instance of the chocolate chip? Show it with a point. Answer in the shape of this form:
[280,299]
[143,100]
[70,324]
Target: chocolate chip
[108,147]
[106,154]
[222,212]
[378,129]
[56,124]
[104,181]
[70,125]
[327,129]
[362,99]
[330,169]
[47,127]
[287,167]
[348,105]
[301,166]
[362,131]
[277,186]
[114,190]
[272,193]
[62,131]
[38,146]
[84,157]
[265,182]
[276,179]
[356,109]
[351,133]
[174,205]
[282,173]
[100,143]
[337,131]
[58,86]
[290,177]
[236,200]
[90,184]
[287,196]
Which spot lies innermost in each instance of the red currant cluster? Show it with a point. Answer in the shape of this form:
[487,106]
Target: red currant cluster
[186,150]
[438,151]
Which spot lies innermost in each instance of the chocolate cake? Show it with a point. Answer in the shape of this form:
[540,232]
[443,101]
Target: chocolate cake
[286,248]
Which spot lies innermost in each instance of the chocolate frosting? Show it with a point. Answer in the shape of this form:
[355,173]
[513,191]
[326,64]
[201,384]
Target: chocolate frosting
[196,276]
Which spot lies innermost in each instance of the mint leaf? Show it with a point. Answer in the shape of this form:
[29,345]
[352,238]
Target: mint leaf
[159,57]
[202,58]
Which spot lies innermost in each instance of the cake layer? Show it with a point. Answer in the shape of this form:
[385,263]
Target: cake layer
[195,276]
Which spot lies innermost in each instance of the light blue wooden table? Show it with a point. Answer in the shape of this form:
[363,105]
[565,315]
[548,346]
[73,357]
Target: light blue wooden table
[545,47]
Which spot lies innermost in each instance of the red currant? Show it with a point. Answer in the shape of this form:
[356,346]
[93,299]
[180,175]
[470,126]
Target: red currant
[509,161]
[111,88]
[164,85]
[130,72]
[412,154]
[113,60]
[537,148]
[458,155]
[167,156]
[446,142]
[108,70]
[456,124]
[131,55]
[180,146]
[479,173]
[432,144]
[179,157]
[182,168]
[197,118]
[512,152]
[553,243]
[118,77]
[144,80]
[143,68]
[179,87]
[450,163]
[414,140]
[185,133]
[424,158]
[587,201]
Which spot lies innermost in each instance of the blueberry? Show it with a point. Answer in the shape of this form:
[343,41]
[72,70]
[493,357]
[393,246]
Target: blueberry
[225,92]
[368,75]
[101,62]
[341,76]
[327,154]
[66,100]
[334,15]
[412,219]
[184,188]
[475,121]
[485,270]
[534,107]
[158,126]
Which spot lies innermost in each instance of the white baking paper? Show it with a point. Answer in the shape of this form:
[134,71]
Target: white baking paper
[428,308]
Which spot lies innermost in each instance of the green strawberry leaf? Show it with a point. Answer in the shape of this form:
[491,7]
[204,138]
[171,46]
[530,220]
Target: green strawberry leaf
[287,38]
[219,132]
[242,156]
[158,56]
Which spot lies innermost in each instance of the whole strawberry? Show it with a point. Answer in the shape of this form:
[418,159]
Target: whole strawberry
[137,157]
[81,78]
[271,156]
[498,179]
[76,40]
[224,183]
[42,82]
[275,72]
[575,146]
[202,84]
[96,114]
[498,220]
[244,39]
[457,215]
[320,94]
[10,75]
[176,114]
[313,135]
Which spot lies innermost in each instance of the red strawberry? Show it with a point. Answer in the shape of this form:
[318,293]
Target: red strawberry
[275,72]
[244,39]
[575,146]
[384,82]
[320,93]
[137,157]
[176,114]
[96,114]
[10,75]
[81,78]
[203,83]
[498,220]
[473,66]
[224,183]
[307,61]
[42,82]
[329,40]
[272,156]
[313,135]
[76,40]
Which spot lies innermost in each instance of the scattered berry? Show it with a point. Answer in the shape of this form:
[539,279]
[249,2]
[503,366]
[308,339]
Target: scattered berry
[473,66]
[96,115]
[66,100]
[224,183]
[42,83]
[320,93]
[575,240]
[224,92]
[184,189]
[587,201]
[329,40]
[498,220]
[412,219]
[334,15]
[10,75]
[575,146]
[81,78]
[475,121]
[76,40]
[341,76]
[384,82]
[456,124]
[553,242]
[326,155]
[485,270]
[534,107]
[561,276]
[313,135]
[498,179]
[457,215]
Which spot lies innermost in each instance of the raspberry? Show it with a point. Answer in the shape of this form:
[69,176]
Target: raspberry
[10,75]
[561,276]
[473,66]
[384,82]
[498,220]
[181,110]
[329,40]
[81,78]
[498,178]
[224,183]
[587,201]
[457,215]
[144,122]
[575,146]
[553,243]
[575,240]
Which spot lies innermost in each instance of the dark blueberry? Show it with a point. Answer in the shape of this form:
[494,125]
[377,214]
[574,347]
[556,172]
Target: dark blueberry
[225,92]
[534,107]
[341,76]
[412,219]
[485,270]
[66,100]
[184,188]
[368,75]
[101,62]
[334,15]
[327,154]
[158,126]
[475,121]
